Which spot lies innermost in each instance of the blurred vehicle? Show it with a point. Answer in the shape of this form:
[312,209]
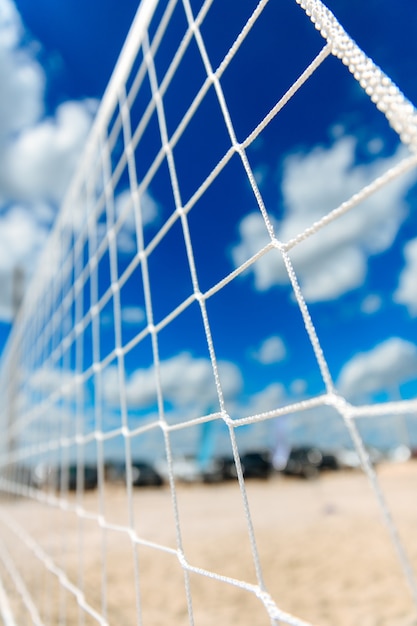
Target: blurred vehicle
[256,464]
[144,475]
[400,454]
[223,468]
[42,475]
[348,458]
[67,478]
[184,468]
[115,472]
[304,461]
[329,461]
[219,469]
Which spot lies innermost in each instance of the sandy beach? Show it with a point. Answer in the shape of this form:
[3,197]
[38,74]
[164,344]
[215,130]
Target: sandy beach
[324,553]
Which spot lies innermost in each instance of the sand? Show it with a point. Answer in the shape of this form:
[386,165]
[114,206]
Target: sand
[324,552]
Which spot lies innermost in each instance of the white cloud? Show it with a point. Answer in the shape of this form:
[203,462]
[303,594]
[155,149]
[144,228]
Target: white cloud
[39,163]
[406,292]
[150,211]
[133,315]
[47,380]
[298,386]
[261,172]
[382,369]
[10,26]
[187,383]
[37,155]
[22,79]
[269,270]
[371,304]
[22,237]
[271,350]
[265,400]
[334,260]
[375,145]
[149,208]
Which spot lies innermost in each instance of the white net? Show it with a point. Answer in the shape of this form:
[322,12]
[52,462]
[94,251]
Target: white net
[153,330]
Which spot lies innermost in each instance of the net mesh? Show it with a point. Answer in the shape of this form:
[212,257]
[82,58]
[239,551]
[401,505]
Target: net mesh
[99,369]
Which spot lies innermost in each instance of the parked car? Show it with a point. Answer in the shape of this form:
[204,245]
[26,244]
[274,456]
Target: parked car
[256,464]
[115,472]
[219,469]
[144,475]
[185,469]
[67,477]
[304,461]
[329,461]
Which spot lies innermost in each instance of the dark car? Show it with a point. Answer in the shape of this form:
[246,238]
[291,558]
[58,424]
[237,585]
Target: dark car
[219,470]
[256,464]
[67,477]
[304,461]
[329,461]
[144,475]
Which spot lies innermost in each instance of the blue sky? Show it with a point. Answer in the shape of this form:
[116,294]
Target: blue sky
[356,274]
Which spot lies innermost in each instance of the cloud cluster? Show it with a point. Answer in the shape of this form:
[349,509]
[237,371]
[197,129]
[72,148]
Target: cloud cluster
[406,292]
[271,397]
[48,380]
[187,384]
[371,304]
[21,77]
[150,211]
[334,260]
[382,369]
[37,154]
[189,390]
[37,165]
[271,350]
[133,315]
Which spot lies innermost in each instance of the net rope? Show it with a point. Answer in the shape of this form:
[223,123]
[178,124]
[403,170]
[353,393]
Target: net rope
[66,299]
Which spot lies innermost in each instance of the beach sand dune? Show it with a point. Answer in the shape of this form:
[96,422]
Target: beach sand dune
[321,547]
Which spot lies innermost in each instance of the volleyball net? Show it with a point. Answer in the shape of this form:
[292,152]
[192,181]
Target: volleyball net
[136,336]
